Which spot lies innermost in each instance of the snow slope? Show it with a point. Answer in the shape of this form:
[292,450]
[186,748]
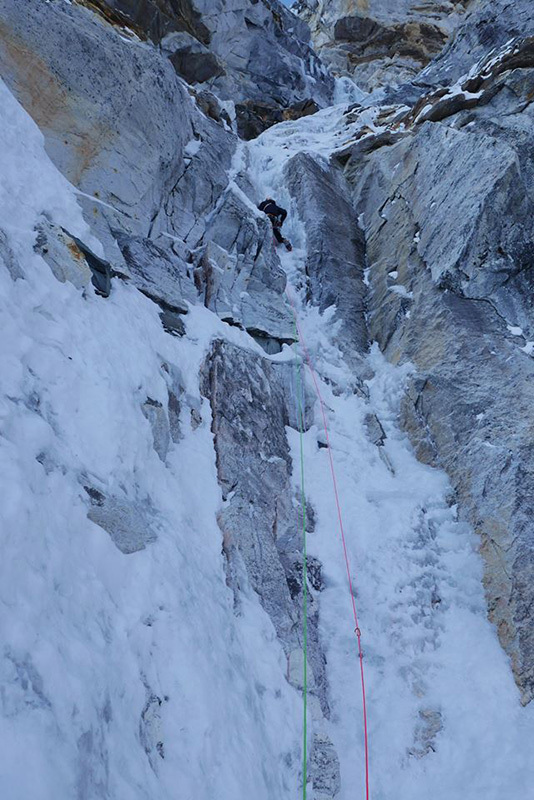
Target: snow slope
[106,656]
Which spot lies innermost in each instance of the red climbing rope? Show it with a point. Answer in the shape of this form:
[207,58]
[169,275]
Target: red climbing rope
[343,539]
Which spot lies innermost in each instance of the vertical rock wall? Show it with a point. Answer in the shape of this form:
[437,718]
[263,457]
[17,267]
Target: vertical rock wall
[447,211]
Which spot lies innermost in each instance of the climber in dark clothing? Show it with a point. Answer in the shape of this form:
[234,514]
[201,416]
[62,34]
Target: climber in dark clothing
[277,216]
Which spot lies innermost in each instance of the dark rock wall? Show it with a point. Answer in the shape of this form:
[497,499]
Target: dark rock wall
[255,54]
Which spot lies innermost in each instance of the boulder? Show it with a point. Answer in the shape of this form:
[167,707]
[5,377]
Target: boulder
[62,254]
[72,260]
[192,59]
[128,522]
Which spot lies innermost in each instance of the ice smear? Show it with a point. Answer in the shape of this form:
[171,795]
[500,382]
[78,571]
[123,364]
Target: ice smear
[514,330]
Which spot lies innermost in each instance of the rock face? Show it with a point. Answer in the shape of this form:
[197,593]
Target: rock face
[128,153]
[383,43]
[335,247]
[447,211]
[488,24]
[250,405]
[255,54]
[152,164]
[380,42]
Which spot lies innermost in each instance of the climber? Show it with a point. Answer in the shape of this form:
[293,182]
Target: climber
[277,216]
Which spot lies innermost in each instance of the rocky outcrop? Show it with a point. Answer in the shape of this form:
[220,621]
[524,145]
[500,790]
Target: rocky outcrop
[129,523]
[260,515]
[335,248]
[152,19]
[153,167]
[447,211]
[253,54]
[488,26]
[381,43]
[253,117]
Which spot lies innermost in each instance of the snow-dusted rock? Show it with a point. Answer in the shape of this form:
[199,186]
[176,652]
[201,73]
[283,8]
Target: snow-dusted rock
[449,209]
[153,163]
[335,247]
[259,518]
[240,273]
[128,522]
[159,422]
[488,26]
[62,254]
[158,271]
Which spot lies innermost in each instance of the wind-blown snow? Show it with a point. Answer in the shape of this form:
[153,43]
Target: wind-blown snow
[107,656]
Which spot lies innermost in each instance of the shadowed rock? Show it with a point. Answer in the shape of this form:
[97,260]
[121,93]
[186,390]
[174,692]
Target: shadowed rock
[335,247]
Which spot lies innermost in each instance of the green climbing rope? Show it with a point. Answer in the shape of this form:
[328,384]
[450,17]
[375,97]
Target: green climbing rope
[300,416]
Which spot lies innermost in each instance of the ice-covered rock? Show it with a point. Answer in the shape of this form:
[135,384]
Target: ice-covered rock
[335,247]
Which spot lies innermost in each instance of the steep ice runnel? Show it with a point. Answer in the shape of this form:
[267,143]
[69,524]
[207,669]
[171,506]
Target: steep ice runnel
[444,712]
